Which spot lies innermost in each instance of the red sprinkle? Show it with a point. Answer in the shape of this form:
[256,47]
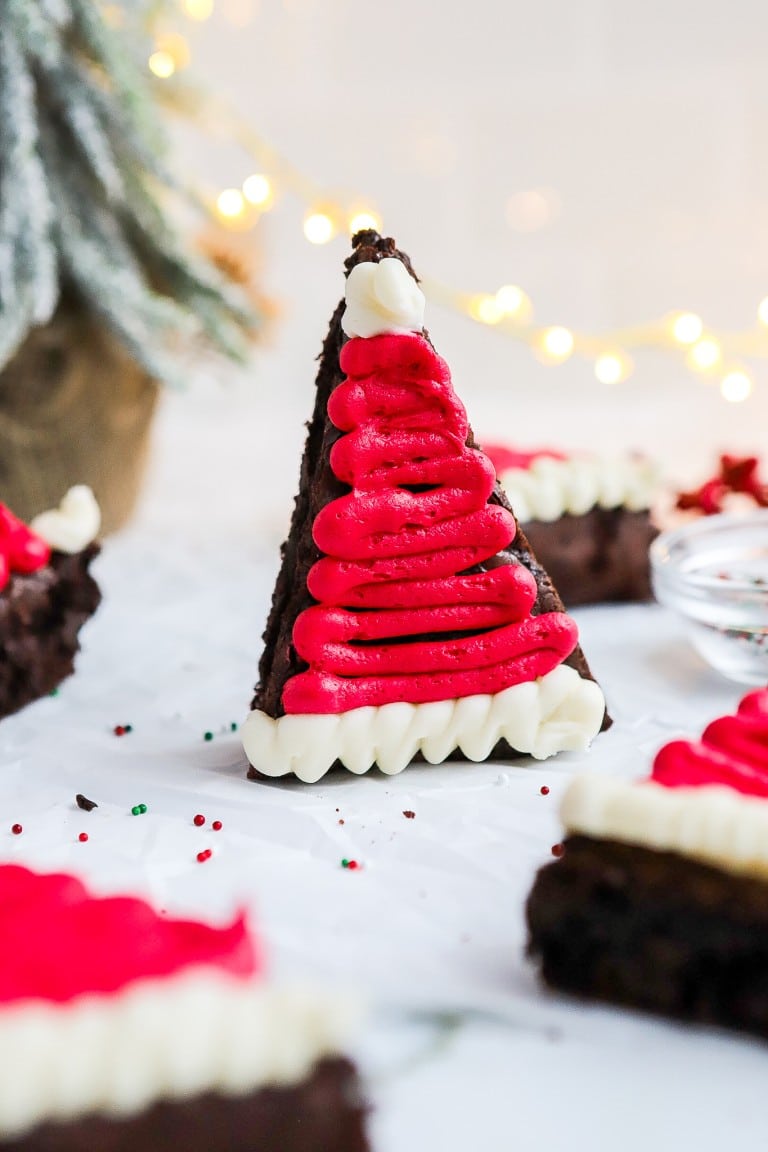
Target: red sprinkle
[558,849]
[119,730]
[17,829]
[199,820]
[217,825]
[544,790]
[204,855]
[352,865]
[83,837]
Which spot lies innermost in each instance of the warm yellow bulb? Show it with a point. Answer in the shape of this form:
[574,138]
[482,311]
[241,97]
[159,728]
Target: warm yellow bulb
[687,327]
[360,221]
[512,301]
[198,9]
[257,190]
[162,64]
[736,386]
[612,368]
[762,311]
[319,227]
[557,344]
[705,354]
[230,203]
[485,309]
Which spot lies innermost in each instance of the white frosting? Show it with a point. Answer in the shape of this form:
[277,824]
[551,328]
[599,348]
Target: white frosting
[74,524]
[158,1039]
[715,825]
[382,297]
[557,713]
[550,488]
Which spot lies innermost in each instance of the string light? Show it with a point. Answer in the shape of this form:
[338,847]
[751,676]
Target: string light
[258,191]
[736,386]
[512,301]
[556,345]
[509,307]
[612,368]
[364,218]
[687,327]
[199,10]
[230,203]
[319,227]
[485,309]
[705,354]
[162,64]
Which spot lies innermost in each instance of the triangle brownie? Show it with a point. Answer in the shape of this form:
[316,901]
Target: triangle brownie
[410,616]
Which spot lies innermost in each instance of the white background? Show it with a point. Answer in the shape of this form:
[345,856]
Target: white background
[645,125]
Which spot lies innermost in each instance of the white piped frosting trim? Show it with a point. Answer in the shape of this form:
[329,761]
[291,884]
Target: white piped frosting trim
[74,524]
[550,488]
[714,825]
[158,1039]
[381,298]
[559,712]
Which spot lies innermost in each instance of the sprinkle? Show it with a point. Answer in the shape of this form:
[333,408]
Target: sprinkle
[84,803]
[217,825]
[17,829]
[138,809]
[128,727]
[544,790]
[208,736]
[409,814]
[199,820]
[233,726]
[558,849]
[204,855]
[83,837]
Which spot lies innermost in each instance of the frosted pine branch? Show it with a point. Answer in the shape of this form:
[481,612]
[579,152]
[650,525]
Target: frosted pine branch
[83,170]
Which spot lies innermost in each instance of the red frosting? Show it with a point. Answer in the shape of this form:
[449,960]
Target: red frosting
[733,751]
[395,559]
[504,458]
[60,942]
[21,549]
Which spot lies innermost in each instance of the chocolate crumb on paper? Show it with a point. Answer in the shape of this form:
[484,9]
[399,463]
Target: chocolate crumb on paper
[409,814]
[84,803]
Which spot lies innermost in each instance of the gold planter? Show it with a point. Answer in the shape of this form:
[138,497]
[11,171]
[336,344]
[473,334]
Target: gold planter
[74,409]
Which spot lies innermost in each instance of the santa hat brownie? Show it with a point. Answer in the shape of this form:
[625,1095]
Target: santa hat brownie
[410,616]
[122,1028]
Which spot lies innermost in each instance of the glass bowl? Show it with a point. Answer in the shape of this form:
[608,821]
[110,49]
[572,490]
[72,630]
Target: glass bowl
[714,573]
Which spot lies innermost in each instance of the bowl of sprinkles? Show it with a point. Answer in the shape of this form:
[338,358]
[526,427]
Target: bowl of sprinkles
[714,573]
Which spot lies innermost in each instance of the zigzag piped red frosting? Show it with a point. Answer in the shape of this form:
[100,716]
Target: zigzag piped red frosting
[59,942]
[733,751]
[399,617]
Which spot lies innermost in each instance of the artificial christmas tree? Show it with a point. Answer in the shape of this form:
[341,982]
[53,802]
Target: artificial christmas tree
[410,615]
[96,290]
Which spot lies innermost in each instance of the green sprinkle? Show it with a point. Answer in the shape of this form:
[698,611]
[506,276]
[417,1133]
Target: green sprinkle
[128,727]
[233,726]
[208,736]
[345,863]
[138,809]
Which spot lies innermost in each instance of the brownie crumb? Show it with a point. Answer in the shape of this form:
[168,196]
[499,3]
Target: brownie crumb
[409,814]
[84,803]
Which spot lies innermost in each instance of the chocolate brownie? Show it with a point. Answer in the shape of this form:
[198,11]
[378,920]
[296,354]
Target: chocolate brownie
[41,614]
